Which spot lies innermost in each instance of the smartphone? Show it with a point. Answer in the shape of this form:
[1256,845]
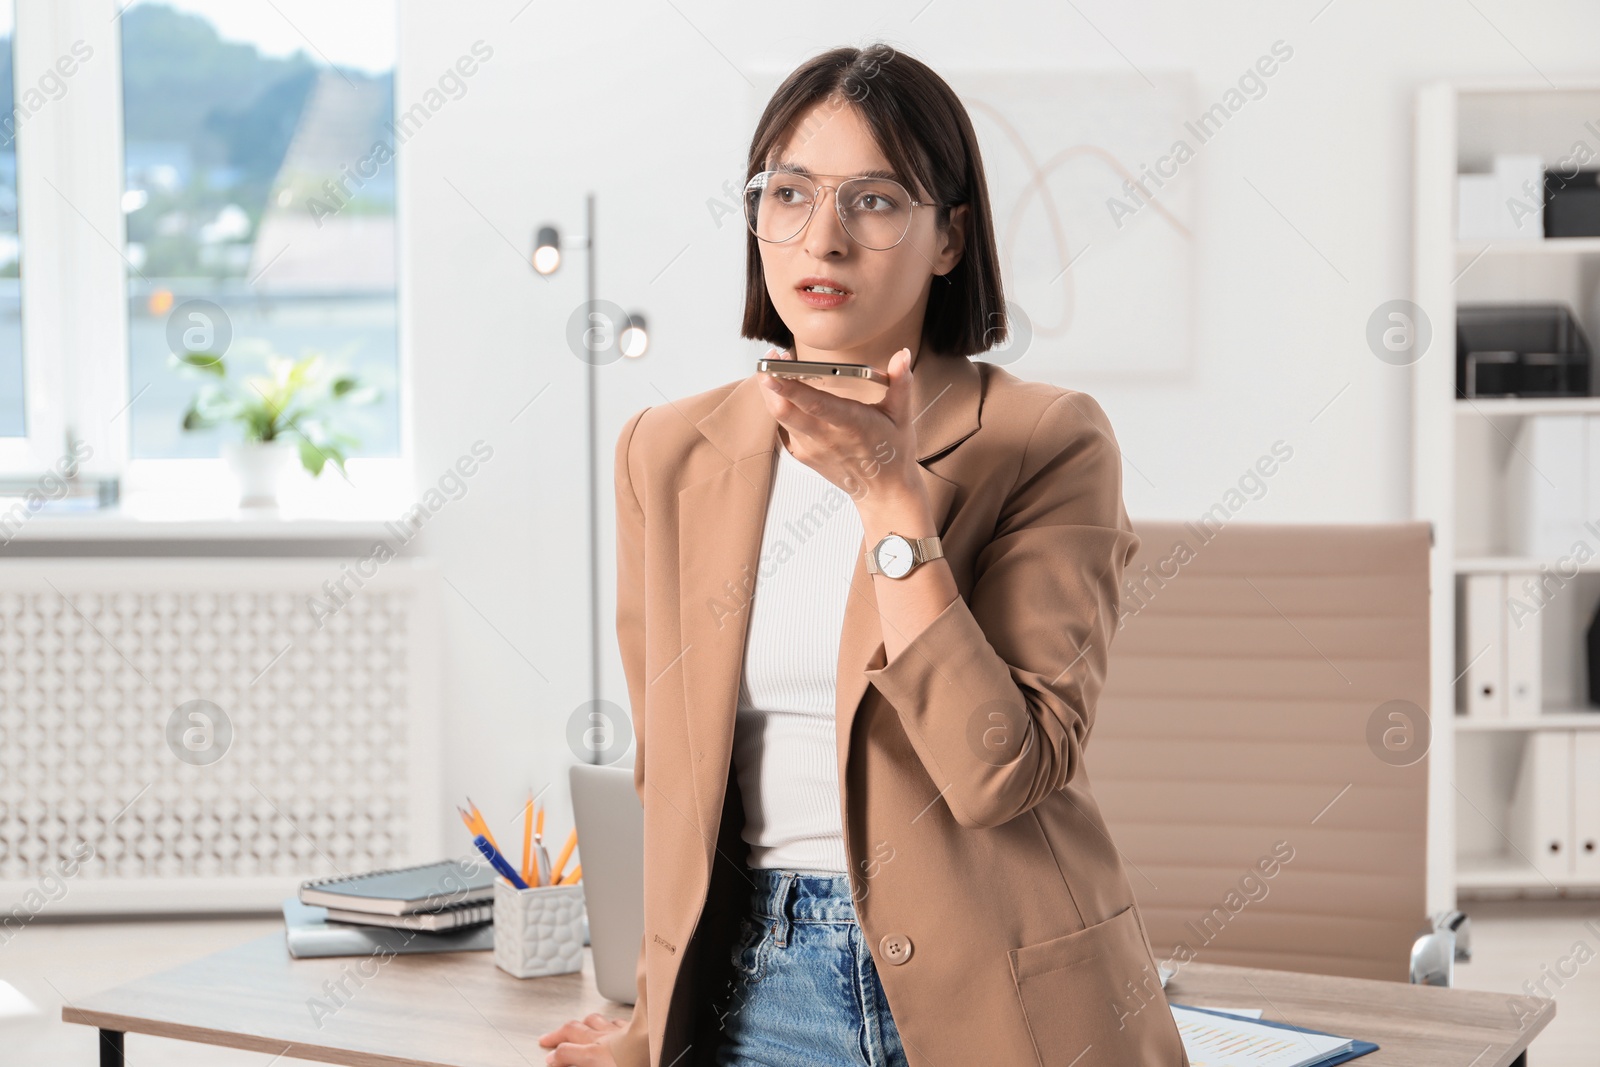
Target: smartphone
[854,381]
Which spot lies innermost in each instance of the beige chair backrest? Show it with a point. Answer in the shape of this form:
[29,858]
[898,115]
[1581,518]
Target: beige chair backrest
[1269,800]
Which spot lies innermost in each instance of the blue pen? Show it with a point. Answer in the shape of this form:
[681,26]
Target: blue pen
[498,862]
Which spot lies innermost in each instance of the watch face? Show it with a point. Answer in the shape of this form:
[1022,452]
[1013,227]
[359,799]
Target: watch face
[894,556]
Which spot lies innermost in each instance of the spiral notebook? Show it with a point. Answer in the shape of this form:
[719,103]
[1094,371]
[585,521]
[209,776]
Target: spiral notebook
[446,918]
[404,890]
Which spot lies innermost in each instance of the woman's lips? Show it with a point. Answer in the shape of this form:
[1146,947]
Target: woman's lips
[822,301]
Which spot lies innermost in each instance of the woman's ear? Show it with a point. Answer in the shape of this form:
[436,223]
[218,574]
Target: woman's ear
[954,234]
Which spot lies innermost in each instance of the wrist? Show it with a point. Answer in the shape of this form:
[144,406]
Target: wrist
[908,514]
[882,494]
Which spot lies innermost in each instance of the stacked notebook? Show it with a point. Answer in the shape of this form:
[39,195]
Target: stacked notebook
[309,933]
[437,907]
[435,896]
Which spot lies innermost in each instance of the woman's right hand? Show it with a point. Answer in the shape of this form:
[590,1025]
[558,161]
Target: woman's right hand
[583,1043]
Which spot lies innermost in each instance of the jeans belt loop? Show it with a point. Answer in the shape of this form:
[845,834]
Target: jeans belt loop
[783,926]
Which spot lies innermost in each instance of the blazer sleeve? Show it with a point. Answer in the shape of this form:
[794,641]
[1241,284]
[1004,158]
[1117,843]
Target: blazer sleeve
[631,1047]
[998,692]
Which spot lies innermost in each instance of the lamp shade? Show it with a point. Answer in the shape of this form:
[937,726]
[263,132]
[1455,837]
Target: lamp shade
[635,338]
[547,250]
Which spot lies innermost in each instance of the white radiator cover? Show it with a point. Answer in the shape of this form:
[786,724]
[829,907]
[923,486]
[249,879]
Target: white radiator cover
[327,671]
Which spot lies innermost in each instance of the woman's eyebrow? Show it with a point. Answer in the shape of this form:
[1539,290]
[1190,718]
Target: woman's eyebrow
[800,168]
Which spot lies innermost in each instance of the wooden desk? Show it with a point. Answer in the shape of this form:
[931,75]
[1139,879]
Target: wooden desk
[448,1008]
[1413,1025]
[457,1009]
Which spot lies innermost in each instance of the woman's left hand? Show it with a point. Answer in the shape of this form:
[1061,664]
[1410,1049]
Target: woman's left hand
[868,450]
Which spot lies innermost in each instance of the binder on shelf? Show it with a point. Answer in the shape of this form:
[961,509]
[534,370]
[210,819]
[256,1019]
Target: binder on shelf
[1540,818]
[1523,630]
[1586,803]
[1547,485]
[1591,649]
[1481,645]
[1590,504]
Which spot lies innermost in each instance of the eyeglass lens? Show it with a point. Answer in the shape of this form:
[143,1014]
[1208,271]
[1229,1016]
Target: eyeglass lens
[875,211]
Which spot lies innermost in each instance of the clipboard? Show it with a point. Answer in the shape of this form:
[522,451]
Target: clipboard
[1358,1048]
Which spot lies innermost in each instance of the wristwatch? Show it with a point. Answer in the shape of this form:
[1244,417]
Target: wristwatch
[896,556]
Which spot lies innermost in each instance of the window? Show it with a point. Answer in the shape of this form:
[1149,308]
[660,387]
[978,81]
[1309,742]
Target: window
[193,172]
[259,202]
[13,401]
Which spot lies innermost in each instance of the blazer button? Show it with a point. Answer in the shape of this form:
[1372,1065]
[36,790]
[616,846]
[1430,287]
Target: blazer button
[896,948]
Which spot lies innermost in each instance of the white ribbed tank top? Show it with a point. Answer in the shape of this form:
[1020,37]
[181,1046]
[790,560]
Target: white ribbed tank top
[784,745]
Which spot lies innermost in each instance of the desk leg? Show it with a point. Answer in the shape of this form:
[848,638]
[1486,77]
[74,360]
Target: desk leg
[111,1048]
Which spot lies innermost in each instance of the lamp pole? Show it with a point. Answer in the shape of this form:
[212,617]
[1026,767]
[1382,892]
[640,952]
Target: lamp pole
[629,337]
[592,388]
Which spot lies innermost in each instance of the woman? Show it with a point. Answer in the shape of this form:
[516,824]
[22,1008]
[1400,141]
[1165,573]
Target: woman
[869,835]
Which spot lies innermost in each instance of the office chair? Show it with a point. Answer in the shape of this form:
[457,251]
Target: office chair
[1259,750]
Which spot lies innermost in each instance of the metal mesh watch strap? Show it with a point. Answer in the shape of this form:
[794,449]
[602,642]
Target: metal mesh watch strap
[923,549]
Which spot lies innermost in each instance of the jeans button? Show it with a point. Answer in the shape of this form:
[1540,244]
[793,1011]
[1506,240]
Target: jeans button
[896,948]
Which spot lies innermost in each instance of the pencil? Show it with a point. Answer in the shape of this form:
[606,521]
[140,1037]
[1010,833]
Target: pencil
[527,843]
[475,827]
[577,872]
[483,824]
[566,854]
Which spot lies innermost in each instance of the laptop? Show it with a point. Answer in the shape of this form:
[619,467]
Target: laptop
[610,824]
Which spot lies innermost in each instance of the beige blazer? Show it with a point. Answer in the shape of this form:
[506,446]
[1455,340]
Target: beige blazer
[992,897]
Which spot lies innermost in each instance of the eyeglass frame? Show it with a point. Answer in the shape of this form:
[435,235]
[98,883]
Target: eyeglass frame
[834,190]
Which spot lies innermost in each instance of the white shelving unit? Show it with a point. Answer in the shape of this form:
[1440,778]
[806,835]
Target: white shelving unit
[1461,451]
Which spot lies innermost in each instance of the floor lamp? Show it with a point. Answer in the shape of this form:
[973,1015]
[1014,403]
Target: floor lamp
[599,332]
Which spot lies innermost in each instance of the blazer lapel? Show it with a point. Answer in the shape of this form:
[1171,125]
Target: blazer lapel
[720,523]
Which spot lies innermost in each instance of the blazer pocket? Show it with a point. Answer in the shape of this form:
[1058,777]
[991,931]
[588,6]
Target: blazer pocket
[1093,997]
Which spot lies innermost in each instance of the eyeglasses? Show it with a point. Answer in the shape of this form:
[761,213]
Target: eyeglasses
[875,212]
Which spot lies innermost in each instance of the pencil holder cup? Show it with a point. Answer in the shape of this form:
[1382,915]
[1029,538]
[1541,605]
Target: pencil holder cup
[538,931]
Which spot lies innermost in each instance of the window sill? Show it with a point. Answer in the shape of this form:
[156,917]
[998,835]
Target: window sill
[202,506]
[120,524]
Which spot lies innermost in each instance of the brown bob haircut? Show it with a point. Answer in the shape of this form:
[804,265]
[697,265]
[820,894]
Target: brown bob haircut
[923,129]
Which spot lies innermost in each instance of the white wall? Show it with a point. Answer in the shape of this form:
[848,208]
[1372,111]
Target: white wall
[1303,230]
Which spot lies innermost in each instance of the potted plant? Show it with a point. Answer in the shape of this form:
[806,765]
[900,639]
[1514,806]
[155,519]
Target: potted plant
[286,411]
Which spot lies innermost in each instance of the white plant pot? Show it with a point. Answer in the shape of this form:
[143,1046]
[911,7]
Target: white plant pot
[259,468]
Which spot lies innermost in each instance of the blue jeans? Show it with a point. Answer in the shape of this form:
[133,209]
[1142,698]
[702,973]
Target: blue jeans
[803,989]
